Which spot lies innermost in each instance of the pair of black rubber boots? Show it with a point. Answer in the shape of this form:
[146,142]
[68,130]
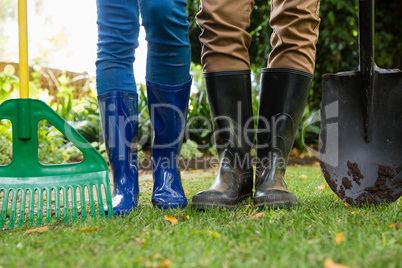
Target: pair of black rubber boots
[282,100]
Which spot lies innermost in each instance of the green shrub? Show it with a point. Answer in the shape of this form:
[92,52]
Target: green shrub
[5,150]
[189,150]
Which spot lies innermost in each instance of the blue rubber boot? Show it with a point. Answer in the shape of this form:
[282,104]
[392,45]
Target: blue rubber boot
[167,106]
[119,113]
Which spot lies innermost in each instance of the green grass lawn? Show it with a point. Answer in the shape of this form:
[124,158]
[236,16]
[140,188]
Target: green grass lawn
[301,237]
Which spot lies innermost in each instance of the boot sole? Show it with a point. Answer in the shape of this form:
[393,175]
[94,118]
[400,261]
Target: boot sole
[167,207]
[275,201]
[227,203]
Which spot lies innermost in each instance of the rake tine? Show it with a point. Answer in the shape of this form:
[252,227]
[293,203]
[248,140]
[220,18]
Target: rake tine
[100,201]
[91,202]
[4,209]
[22,208]
[13,214]
[83,205]
[48,205]
[57,202]
[74,200]
[31,206]
[40,208]
[108,201]
[65,198]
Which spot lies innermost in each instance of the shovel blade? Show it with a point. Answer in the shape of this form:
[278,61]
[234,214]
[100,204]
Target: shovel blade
[356,170]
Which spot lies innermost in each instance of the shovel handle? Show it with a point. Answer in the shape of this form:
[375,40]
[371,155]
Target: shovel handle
[23,48]
[366,38]
[366,60]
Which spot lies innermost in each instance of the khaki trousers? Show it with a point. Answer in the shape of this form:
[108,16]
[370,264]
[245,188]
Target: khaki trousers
[225,41]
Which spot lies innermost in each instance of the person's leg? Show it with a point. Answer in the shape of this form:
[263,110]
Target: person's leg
[169,53]
[224,39]
[226,66]
[285,86]
[295,25]
[118,29]
[168,89]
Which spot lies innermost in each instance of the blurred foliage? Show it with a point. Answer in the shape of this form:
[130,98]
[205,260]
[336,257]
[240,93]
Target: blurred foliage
[145,130]
[50,144]
[5,142]
[199,128]
[80,111]
[309,129]
[9,84]
[189,150]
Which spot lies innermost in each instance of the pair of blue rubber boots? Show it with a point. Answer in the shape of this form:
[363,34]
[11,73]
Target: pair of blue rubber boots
[167,106]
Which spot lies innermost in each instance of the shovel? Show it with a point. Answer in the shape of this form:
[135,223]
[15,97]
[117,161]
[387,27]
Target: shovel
[26,176]
[361,126]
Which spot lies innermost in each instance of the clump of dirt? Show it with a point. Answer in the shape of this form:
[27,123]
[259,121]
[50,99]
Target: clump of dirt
[342,192]
[349,200]
[380,191]
[346,183]
[398,169]
[397,183]
[385,171]
[354,171]
[363,199]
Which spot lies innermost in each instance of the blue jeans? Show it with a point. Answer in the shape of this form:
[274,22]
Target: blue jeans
[166,27]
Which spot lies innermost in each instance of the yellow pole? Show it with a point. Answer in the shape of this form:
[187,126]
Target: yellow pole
[23,46]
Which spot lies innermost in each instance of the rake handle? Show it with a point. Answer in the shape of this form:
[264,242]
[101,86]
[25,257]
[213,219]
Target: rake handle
[23,48]
[24,106]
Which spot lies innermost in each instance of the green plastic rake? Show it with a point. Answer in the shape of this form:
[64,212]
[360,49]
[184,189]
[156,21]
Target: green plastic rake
[26,178]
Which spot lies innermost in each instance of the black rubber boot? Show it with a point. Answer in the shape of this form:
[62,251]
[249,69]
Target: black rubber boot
[229,95]
[283,97]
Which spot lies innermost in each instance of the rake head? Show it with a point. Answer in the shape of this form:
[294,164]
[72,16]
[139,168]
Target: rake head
[55,185]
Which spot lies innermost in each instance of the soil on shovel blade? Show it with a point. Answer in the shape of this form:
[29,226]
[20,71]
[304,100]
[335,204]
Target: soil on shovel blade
[372,195]
[346,183]
[354,171]
[380,189]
